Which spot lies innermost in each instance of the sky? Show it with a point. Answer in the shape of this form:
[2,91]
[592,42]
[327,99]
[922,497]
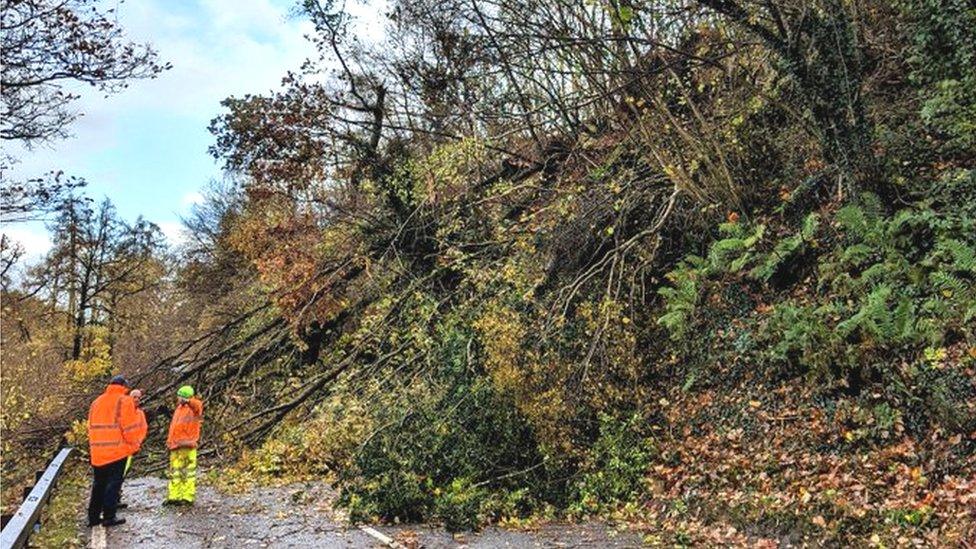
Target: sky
[146,148]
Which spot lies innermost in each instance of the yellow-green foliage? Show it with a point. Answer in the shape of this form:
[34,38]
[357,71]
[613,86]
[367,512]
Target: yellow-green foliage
[601,374]
[447,172]
[606,323]
[317,447]
[77,436]
[96,359]
[502,336]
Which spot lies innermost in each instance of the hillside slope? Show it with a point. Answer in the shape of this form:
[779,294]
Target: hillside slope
[729,283]
[708,267]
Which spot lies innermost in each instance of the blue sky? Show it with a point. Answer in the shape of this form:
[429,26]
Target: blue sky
[146,148]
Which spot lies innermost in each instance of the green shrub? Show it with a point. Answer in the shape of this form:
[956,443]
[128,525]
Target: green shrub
[446,441]
[459,505]
[615,466]
[446,468]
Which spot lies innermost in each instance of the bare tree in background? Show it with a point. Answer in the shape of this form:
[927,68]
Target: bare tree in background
[97,261]
[49,50]
[50,44]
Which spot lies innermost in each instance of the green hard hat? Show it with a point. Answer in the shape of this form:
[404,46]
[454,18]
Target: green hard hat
[185,392]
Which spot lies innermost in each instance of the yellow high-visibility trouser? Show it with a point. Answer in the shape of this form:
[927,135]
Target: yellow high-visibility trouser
[183,474]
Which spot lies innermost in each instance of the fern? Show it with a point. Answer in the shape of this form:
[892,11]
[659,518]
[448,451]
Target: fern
[810,225]
[903,320]
[872,207]
[875,273]
[787,249]
[681,298]
[852,219]
[936,306]
[862,222]
[856,255]
[948,283]
[881,284]
[784,250]
[963,256]
[734,253]
[873,317]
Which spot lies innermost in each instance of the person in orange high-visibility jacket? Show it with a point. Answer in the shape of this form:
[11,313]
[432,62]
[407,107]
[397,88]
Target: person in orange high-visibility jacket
[113,425]
[143,429]
[184,435]
[140,433]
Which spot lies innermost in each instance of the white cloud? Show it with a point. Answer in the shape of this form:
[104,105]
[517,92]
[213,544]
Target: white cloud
[173,231]
[227,47]
[249,14]
[218,48]
[33,237]
[191,198]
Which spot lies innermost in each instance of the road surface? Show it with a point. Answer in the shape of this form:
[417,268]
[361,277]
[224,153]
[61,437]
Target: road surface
[302,515]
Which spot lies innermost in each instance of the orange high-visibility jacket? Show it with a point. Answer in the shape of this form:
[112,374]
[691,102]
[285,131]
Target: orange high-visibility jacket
[112,426]
[143,428]
[184,430]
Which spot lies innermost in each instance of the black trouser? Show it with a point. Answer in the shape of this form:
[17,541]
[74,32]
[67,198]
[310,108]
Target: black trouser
[105,491]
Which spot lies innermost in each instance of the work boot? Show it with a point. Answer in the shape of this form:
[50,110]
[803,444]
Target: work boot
[113,522]
[171,502]
[95,523]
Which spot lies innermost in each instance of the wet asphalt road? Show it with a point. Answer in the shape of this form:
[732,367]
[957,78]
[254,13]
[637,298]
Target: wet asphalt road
[301,515]
[265,517]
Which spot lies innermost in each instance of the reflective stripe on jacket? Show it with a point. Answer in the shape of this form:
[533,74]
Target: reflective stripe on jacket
[184,430]
[112,423]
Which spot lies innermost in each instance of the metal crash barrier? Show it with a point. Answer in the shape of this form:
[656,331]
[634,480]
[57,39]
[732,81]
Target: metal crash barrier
[22,524]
